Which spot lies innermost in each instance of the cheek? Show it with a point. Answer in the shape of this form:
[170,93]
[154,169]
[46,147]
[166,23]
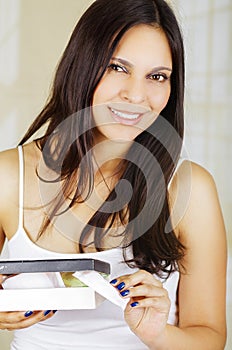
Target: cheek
[159,99]
[98,94]
[105,91]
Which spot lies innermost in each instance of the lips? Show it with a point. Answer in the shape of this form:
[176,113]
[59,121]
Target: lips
[125,117]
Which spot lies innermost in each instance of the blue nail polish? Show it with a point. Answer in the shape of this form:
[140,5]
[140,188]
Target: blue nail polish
[47,312]
[114,281]
[121,286]
[134,304]
[124,293]
[28,313]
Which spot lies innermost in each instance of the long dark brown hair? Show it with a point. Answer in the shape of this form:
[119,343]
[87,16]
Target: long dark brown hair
[79,72]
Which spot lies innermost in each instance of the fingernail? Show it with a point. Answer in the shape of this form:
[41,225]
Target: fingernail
[121,286]
[114,281]
[47,312]
[134,304]
[124,293]
[28,313]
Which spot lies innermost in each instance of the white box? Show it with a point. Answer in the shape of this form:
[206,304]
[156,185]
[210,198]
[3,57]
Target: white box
[35,286]
[49,299]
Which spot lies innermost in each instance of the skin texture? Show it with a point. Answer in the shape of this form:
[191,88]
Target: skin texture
[199,224]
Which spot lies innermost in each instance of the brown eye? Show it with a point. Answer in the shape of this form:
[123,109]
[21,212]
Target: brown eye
[117,68]
[159,77]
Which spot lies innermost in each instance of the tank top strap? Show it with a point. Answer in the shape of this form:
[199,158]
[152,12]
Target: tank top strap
[21,185]
[180,161]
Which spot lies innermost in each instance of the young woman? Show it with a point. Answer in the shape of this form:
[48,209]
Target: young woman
[106,181]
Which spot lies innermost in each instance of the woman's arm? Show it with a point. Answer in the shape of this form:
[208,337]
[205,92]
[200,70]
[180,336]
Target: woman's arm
[202,287]
[8,193]
[8,224]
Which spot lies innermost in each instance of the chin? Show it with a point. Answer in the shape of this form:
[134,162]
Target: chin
[121,133]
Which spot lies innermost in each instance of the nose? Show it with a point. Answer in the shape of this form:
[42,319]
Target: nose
[133,91]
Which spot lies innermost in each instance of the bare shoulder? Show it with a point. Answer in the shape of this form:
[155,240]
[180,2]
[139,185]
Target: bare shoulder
[9,161]
[200,175]
[9,173]
[197,183]
[193,193]
[192,173]
[8,169]
[200,226]
[8,188]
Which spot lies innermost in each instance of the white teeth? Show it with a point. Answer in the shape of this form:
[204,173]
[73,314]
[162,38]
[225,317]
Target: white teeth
[125,115]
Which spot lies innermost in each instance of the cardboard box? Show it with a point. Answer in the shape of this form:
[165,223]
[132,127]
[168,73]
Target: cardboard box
[49,299]
[39,286]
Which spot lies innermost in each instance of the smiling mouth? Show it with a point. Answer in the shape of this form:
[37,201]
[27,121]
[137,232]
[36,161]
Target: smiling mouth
[126,115]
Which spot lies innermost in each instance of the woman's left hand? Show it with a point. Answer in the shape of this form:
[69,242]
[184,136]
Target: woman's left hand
[148,308]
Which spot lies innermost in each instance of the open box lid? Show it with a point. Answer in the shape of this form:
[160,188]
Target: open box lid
[53,265]
[44,291]
[37,284]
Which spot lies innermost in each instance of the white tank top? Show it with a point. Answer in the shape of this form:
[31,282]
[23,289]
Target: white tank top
[100,328]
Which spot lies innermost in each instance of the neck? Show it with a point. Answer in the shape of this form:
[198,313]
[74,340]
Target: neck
[109,153]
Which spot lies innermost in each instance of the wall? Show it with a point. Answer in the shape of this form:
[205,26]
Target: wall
[33,35]
[207,28]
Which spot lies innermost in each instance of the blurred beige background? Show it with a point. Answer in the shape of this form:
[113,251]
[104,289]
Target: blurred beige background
[33,34]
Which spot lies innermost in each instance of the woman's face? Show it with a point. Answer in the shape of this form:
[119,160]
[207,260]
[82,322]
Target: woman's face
[136,85]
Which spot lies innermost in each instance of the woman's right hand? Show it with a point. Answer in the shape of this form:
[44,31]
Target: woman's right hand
[21,319]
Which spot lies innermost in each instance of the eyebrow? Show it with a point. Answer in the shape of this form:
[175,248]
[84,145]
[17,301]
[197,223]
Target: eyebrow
[130,65]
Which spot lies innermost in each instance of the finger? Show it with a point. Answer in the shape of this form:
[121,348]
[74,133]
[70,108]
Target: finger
[139,277]
[11,317]
[15,320]
[144,290]
[20,316]
[160,304]
[40,316]
[19,320]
